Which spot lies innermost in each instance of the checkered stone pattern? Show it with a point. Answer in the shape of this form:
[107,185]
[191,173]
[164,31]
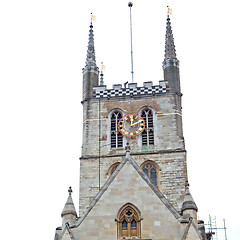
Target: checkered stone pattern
[108,93]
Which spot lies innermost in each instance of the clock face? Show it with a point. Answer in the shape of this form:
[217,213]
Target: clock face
[131,125]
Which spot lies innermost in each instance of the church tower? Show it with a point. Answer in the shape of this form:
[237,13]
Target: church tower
[133,170]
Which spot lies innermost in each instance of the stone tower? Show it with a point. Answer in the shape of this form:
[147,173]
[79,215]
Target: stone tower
[133,170]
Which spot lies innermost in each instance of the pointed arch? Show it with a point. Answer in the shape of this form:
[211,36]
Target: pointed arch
[151,169]
[148,134]
[112,168]
[129,221]
[116,138]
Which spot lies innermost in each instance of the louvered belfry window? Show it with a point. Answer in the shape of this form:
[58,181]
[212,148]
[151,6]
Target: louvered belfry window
[148,133]
[116,136]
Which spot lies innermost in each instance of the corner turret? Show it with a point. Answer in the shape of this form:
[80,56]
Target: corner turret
[189,207]
[90,71]
[69,213]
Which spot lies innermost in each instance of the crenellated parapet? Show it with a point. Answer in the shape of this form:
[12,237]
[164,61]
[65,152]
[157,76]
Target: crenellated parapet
[131,90]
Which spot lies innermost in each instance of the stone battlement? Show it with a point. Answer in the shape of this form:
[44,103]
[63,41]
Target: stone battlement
[131,90]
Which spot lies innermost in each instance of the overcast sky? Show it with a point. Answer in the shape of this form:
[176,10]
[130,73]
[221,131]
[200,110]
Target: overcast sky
[43,48]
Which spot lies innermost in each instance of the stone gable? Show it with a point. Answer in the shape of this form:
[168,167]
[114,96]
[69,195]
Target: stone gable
[130,185]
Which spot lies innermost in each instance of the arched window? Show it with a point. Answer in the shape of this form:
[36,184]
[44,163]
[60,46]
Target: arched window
[150,170]
[148,133]
[129,221]
[116,136]
[112,168]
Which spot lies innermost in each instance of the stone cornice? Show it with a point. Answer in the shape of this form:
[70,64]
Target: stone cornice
[135,154]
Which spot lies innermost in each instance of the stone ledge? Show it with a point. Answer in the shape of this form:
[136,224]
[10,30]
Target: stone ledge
[131,238]
[137,153]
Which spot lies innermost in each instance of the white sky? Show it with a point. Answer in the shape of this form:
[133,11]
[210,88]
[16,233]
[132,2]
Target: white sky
[43,48]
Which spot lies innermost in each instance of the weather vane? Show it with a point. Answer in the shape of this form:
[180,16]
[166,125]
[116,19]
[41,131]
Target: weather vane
[93,18]
[169,10]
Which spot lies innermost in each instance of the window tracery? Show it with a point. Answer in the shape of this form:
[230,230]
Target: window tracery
[148,133]
[116,136]
[129,221]
[150,170]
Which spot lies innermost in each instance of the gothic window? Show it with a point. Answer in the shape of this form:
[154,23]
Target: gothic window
[148,133]
[129,221]
[113,168]
[150,170]
[116,136]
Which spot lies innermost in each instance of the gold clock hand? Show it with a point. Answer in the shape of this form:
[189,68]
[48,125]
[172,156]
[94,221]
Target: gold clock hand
[131,120]
[136,123]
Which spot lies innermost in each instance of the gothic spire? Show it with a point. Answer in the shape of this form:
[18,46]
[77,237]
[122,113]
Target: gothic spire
[170,52]
[91,60]
[90,71]
[171,63]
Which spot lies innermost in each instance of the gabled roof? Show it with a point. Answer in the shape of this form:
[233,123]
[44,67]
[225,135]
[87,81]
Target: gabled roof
[67,230]
[158,193]
[186,232]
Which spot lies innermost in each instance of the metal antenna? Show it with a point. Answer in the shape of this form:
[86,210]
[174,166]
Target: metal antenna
[130,6]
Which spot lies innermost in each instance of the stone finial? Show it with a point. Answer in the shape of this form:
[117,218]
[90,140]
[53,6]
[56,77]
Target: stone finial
[101,79]
[101,74]
[70,191]
[188,202]
[127,148]
[187,187]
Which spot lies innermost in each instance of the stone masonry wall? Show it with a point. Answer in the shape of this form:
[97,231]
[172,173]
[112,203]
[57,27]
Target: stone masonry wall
[172,176]
[157,222]
[166,130]
[168,150]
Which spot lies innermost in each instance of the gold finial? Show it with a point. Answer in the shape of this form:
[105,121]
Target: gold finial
[93,18]
[102,67]
[169,10]
[130,4]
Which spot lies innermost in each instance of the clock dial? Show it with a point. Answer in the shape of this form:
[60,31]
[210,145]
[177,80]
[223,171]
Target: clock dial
[131,125]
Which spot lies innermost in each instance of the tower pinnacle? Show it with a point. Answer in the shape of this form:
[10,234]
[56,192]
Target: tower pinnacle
[90,71]
[170,52]
[91,60]
[171,63]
